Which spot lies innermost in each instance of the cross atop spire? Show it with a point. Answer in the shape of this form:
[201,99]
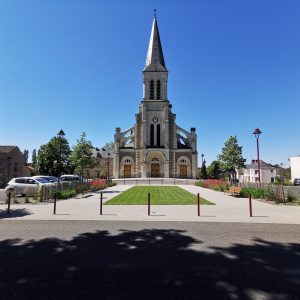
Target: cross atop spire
[155,58]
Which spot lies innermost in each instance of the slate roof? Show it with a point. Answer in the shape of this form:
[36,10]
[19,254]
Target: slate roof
[263,165]
[155,59]
[6,149]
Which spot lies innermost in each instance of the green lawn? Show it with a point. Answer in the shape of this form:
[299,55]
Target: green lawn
[160,195]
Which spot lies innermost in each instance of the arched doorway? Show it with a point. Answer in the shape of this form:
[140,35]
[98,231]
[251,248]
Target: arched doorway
[155,167]
[126,167]
[184,167]
[155,164]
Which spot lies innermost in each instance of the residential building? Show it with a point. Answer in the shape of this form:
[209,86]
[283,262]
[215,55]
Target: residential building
[11,164]
[268,173]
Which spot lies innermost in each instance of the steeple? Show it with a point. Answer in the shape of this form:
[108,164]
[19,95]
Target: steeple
[155,58]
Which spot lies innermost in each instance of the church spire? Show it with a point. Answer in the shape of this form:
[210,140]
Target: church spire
[155,58]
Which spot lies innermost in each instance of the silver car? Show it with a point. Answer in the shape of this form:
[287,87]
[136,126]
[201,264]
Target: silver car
[25,186]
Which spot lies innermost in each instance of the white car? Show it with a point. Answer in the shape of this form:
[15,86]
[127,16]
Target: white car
[25,186]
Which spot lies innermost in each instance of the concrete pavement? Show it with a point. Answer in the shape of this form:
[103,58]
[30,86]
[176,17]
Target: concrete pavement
[226,209]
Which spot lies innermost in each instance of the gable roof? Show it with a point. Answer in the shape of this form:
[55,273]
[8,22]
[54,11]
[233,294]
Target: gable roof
[263,165]
[6,149]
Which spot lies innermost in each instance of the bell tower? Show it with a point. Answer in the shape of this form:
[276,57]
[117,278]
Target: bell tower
[155,73]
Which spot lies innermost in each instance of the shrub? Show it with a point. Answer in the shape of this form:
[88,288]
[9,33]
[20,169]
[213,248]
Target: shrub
[258,193]
[65,194]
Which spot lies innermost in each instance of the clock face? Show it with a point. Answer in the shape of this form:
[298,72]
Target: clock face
[155,120]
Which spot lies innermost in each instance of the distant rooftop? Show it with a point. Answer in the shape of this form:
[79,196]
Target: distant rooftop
[6,149]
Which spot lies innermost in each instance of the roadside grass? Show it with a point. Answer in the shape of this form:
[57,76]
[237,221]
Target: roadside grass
[160,195]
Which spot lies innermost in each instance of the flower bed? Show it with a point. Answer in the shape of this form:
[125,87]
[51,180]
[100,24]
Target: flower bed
[214,184]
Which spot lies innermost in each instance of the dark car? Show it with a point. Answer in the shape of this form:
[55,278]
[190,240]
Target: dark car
[297,181]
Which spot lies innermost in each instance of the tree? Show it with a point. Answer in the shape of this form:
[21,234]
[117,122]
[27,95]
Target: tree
[214,170]
[34,160]
[81,156]
[203,171]
[53,156]
[231,157]
[25,156]
[110,145]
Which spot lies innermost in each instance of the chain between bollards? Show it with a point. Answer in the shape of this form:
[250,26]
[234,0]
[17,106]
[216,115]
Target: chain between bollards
[149,197]
[101,203]
[54,207]
[250,205]
[198,204]
[8,203]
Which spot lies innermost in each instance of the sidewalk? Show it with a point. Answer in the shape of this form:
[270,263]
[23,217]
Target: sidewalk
[227,209]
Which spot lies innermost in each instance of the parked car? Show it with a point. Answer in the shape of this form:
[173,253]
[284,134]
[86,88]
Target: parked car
[25,186]
[52,179]
[73,178]
[297,181]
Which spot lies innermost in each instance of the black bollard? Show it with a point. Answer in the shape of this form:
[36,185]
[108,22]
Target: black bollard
[54,207]
[101,203]
[149,204]
[198,198]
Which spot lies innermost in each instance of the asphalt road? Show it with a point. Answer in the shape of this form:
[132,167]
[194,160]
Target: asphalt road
[148,260]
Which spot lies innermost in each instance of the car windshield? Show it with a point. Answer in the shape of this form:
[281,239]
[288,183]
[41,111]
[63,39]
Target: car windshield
[42,180]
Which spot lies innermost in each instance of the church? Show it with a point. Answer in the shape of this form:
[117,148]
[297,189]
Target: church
[155,146]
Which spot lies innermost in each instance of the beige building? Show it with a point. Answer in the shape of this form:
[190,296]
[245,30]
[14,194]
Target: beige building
[268,173]
[11,164]
[103,168]
[155,146]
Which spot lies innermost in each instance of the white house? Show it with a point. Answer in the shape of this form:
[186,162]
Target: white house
[295,167]
[268,172]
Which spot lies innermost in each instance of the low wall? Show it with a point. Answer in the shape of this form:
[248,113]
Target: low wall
[292,190]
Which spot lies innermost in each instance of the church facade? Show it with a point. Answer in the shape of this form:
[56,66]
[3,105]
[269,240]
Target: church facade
[155,146]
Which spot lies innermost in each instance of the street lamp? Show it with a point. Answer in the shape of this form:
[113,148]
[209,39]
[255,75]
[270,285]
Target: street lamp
[257,133]
[108,155]
[202,169]
[60,136]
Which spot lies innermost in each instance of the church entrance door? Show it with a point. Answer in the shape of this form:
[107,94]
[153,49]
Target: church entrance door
[183,171]
[155,170]
[127,171]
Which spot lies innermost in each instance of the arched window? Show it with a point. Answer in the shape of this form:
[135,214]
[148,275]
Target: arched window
[151,135]
[158,134]
[158,89]
[151,90]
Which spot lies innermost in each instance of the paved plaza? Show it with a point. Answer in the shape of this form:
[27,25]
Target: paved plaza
[226,209]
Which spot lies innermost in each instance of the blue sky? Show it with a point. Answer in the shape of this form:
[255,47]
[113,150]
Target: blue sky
[76,65]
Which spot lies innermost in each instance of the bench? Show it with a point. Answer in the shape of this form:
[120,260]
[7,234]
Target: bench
[233,191]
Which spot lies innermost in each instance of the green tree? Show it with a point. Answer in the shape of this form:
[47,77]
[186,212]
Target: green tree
[214,170]
[231,157]
[25,156]
[54,157]
[203,171]
[81,156]
[34,160]
[109,145]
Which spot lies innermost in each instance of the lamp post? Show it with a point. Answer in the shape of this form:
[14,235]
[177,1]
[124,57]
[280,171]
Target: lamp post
[202,169]
[257,133]
[60,136]
[108,155]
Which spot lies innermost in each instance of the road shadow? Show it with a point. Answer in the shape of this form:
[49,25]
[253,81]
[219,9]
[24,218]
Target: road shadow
[146,264]
[14,213]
